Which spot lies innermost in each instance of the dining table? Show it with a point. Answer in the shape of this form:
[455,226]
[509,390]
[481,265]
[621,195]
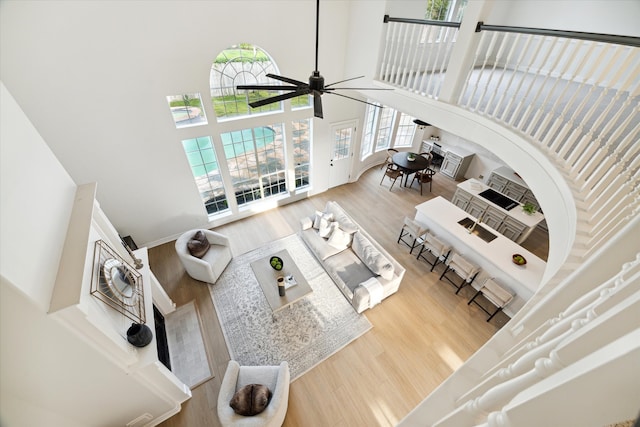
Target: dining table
[402,159]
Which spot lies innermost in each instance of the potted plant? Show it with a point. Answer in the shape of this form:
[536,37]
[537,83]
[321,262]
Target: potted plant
[529,208]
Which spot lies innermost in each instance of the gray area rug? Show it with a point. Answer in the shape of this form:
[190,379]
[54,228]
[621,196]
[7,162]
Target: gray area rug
[304,334]
[189,361]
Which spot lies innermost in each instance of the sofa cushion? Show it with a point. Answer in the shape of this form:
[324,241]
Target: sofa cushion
[318,217]
[318,245]
[349,269]
[326,228]
[346,224]
[340,239]
[371,257]
[250,399]
[198,245]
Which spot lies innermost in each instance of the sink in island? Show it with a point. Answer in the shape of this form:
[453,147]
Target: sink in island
[494,257]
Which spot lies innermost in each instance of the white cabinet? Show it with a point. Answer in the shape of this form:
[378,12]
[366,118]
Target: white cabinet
[512,229]
[455,163]
[493,217]
[461,199]
[497,182]
[477,207]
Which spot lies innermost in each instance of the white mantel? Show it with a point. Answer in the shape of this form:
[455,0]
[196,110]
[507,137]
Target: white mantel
[103,328]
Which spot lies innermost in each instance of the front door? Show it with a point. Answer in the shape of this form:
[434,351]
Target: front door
[341,153]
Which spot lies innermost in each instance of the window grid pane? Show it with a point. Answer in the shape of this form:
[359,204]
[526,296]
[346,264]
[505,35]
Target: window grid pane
[187,110]
[243,64]
[405,132]
[369,130]
[384,129]
[342,143]
[255,158]
[204,167]
[301,151]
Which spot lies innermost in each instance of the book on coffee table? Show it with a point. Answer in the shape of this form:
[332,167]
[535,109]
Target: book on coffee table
[289,281]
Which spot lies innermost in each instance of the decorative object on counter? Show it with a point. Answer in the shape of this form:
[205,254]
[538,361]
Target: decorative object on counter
[116,283]
[529,208]
[281,288]
[519,259]
[139,334]
[276,263]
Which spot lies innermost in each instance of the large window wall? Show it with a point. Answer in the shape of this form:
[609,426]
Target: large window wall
[385,127]
[234,165]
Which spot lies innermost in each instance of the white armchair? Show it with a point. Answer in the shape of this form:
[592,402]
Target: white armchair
[212,264]
[275,377]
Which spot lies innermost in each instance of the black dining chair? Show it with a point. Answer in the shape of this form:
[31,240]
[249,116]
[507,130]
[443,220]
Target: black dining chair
[424,176]
[393,174]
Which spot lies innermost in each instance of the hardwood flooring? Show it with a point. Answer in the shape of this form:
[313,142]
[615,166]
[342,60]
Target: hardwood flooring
[420,336]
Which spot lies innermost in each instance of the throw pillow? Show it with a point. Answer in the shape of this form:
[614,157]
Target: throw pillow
[372,258]
[339,215]
[250,399]
[318,217]
[326,228]
[198,245]
[339,239]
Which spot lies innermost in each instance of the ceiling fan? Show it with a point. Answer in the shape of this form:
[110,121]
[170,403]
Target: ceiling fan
[315,86]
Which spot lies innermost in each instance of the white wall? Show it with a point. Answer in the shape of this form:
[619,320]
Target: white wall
[47,375]
[93,77]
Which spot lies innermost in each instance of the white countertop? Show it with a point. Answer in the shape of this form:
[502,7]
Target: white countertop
[475,187]
[442,216]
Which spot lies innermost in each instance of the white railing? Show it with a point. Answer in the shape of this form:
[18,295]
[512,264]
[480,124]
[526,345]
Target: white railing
[578,100]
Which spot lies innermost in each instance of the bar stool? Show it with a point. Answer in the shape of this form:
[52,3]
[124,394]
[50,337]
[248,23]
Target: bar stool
[463,268]
[436,247]
[411,229]
[495,294]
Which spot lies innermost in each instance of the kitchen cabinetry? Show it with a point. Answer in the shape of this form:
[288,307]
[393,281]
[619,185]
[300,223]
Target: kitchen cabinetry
[461,199]
[456,162]
[508,183]
[514,224]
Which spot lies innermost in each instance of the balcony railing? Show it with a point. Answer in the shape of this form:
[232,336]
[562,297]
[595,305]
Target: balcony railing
[574,95]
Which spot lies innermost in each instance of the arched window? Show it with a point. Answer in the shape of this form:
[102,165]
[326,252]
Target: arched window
[239,65]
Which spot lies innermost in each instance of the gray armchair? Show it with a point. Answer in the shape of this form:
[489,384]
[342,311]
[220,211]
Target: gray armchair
[275,377]
[213,262]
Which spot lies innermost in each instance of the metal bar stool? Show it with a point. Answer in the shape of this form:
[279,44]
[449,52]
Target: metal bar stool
[413,230]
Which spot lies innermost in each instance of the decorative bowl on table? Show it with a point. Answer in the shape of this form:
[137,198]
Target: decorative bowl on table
[276,263]
[411,157]
[518,259]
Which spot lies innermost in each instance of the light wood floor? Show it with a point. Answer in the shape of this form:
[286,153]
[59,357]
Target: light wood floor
[420,336]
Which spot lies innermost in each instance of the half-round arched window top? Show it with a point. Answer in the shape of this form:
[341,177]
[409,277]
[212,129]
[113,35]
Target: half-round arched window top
[238,65]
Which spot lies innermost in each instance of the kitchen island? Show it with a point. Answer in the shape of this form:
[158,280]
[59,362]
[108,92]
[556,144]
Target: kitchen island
[494,257]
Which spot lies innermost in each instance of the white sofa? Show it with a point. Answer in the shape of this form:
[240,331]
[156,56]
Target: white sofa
[363,270]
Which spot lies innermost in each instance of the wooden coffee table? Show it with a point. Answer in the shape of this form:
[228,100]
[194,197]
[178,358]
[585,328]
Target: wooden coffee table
[267,276]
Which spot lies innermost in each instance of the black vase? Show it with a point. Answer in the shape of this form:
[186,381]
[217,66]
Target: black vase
[139,334]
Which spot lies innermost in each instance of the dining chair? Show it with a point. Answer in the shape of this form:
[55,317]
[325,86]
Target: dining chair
[388,160]
[393,174]
[424,176]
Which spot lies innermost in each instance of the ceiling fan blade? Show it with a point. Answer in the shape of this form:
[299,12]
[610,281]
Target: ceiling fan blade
[287,80]
[357,88]
[355,99]
[317,104]
[277,98]
[266,87]
[342,81]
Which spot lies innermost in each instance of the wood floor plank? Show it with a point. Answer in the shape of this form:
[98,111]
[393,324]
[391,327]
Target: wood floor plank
[420,336]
